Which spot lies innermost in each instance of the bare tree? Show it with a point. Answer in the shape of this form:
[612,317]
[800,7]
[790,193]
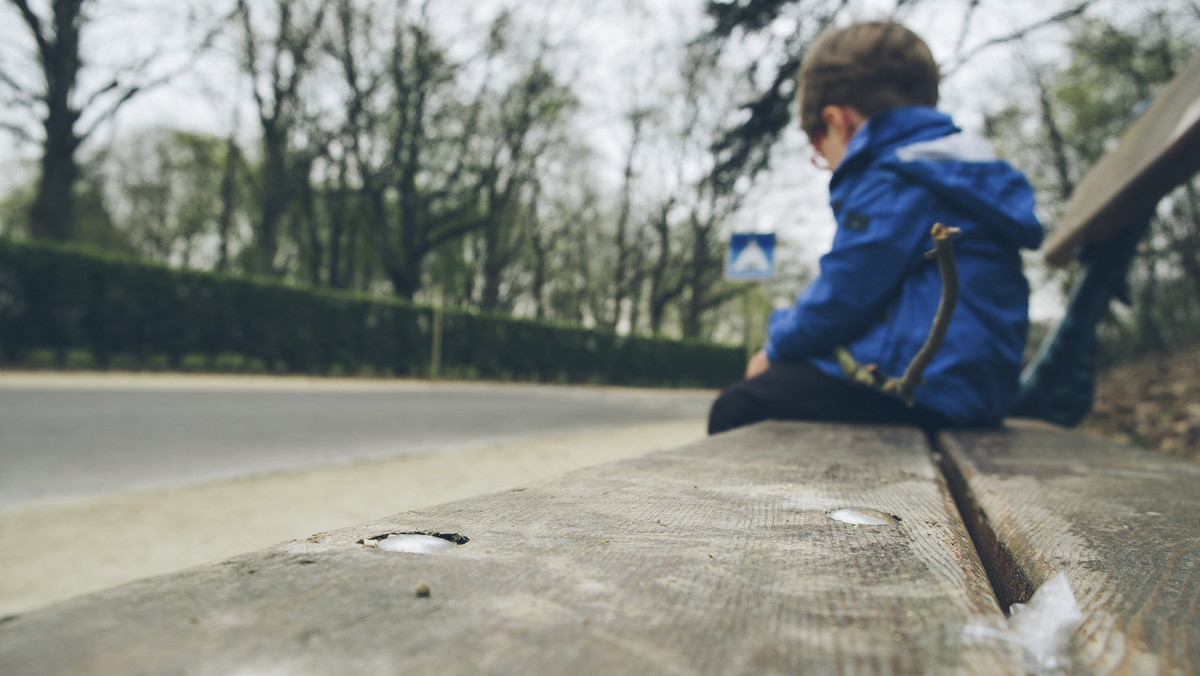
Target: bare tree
[278,59]
[569,250]
[230,167]
[693,209]
[442,208]
[624,268]
[353,181]
[526,123]
[434,160]
[60,105]
[666,284]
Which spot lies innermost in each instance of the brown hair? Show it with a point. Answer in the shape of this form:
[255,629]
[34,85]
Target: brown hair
[871,67]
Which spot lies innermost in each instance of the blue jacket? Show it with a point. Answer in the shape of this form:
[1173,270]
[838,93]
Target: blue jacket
[877,294]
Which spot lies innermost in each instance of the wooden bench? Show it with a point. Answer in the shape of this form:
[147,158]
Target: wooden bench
[721,557]
[781,548]
[1121,524]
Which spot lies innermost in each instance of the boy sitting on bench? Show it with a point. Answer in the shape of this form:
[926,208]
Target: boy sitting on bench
[866,99]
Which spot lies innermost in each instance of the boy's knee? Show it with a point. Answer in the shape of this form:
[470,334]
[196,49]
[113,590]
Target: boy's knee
[733,408]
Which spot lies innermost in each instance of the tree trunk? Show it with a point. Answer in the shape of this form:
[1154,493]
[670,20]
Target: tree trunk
[53,213]
[1189,245]
[274,200]
[541,253]
[335,201]
[1058,145]
[310,224]
[225,224]
[621,269]
[661,291]
[489,298]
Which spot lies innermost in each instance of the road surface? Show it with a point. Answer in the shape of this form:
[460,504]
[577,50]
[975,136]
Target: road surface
[61,437]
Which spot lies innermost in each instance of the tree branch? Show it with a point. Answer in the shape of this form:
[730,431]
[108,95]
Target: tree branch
[300,48]
[17,130]
[870,375]
[20,93]
[452,228]
[112,110]
[1018,34]
[251,58]
[972,5]
[35,26]
[138,71]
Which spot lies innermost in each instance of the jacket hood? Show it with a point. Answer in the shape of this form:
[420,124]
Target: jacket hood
[925,146]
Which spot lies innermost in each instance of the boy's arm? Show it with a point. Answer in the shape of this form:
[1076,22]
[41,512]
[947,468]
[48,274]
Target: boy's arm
[881,235]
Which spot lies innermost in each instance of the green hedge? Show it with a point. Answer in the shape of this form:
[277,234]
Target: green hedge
[63,300]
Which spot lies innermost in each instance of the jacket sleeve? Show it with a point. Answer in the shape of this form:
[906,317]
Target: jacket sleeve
[883,232]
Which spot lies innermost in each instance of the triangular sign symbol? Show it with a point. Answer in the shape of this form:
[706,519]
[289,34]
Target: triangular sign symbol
[751,259]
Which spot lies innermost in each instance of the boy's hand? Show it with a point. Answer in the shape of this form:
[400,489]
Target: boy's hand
[758,364]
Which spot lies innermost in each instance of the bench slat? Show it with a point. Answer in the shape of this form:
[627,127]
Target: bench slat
[1158,152]
[719,557]
[1122,523]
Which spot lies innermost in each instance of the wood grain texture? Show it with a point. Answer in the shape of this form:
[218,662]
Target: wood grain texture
[1158,152]
[718,557]
[1122,523]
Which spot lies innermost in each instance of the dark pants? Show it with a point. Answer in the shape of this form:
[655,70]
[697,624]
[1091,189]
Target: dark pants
[800,391]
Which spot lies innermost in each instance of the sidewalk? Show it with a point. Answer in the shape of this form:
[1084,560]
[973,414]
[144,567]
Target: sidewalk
[52,551]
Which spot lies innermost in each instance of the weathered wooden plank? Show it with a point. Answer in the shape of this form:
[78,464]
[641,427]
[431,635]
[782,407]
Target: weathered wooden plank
[1122,523]
[719,557]
[1158,152]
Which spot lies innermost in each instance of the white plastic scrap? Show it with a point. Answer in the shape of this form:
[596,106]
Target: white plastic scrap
[1044,626]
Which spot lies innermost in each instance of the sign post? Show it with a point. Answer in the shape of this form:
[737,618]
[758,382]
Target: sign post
[751,257]
[435,350]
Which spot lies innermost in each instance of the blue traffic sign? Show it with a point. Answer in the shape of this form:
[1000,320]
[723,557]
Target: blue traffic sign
[751,256]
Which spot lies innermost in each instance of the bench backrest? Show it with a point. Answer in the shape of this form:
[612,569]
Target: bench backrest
[1158,152]
[1110,211]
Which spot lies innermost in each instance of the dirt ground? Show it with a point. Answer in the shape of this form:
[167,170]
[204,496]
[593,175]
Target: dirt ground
[1152,402]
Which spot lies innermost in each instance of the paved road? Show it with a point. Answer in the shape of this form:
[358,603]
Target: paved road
[62,441]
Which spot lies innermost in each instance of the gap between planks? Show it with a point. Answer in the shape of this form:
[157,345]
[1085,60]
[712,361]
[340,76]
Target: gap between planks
[1009,581]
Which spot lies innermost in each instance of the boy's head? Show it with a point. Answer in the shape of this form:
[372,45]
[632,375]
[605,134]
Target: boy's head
[870,67]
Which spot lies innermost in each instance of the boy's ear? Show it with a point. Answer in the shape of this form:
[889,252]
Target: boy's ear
[843,120]
[833,118]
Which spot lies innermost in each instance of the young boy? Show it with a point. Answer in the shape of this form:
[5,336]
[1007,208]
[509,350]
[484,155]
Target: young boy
[866,97]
